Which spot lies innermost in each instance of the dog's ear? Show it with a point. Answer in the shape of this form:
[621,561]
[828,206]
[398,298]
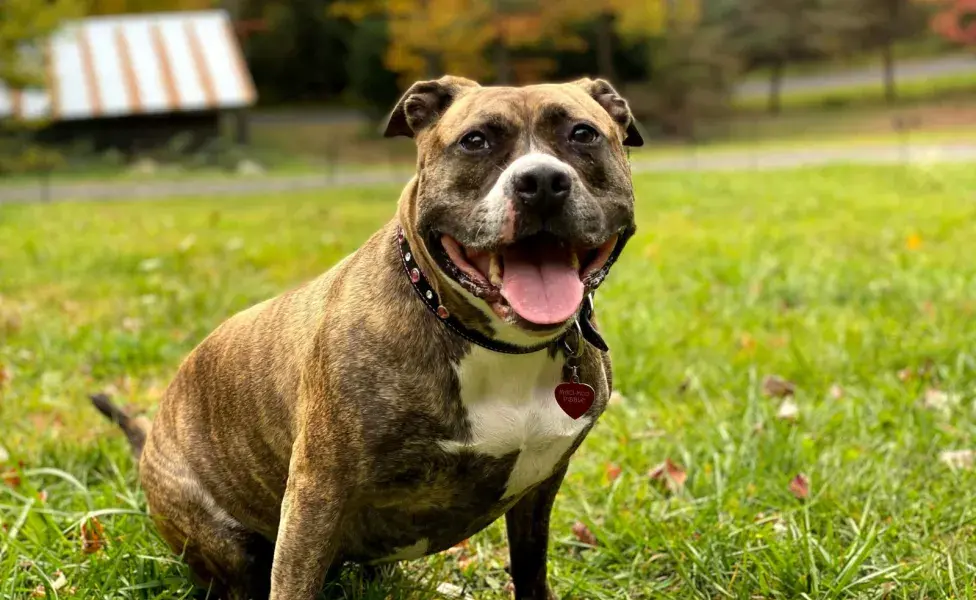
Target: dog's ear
[423,103]
[607,97]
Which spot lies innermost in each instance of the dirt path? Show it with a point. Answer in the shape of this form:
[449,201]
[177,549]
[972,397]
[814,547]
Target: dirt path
[690,161]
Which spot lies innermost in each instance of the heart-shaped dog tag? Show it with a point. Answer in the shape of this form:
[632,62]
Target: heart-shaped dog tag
[574,398]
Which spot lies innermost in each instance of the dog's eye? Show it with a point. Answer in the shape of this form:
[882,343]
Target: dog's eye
[474,142]
[583,134]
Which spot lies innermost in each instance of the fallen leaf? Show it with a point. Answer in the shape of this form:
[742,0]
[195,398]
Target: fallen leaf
[583,534]
[836,391]
[466,562]
[5,375]
[132,324]
[800,487]
[11,477]
[39,592]
[42,496]
[747,343]
[913,242]
[788,411]
[958,459]
[759,427]
[777,387]
[26,565]
[613,472]
[59,580]
[510,587]
[669,474]
[938,400]
[905,375]
[450,590]
[92,536]
[4,455]
[458,548]
[616,398]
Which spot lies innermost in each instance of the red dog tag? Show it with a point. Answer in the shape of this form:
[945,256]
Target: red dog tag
[574,398]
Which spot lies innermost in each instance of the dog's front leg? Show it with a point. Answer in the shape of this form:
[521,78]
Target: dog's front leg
[528,539]
[308,533]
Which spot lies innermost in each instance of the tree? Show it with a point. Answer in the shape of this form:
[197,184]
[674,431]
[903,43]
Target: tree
[118,7]
[774,33]
[24,26]
[956,20]
[884,22]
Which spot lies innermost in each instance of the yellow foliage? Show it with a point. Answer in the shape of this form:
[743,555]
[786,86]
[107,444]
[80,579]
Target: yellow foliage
[117,7]
[454,35]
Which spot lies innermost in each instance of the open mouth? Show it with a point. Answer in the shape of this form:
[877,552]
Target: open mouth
[541,279]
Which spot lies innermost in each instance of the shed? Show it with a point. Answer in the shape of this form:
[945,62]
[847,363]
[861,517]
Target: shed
[133,82]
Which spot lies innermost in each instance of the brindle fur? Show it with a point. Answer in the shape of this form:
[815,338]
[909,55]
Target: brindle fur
[302,432]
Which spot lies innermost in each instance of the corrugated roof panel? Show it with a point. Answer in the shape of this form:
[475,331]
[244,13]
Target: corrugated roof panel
[221,63]
[185,76]
[147,67]
[133,64]
[107,69]
[72,89]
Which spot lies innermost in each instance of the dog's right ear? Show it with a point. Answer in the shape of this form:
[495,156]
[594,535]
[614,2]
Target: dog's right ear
[424,103]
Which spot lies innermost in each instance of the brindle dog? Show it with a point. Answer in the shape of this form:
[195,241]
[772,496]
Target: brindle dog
[347,420]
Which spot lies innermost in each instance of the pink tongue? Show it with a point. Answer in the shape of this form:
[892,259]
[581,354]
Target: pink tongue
[540,283]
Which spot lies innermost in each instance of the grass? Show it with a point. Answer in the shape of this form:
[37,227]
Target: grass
[856,284]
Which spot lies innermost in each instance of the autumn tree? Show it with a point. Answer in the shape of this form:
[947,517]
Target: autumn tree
[117,7]
[24,27]
[882,23]
[956,20]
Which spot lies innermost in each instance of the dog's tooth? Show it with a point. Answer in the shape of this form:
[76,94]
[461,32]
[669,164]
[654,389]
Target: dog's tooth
[495,271]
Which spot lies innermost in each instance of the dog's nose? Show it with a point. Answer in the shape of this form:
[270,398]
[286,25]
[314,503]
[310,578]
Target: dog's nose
[543,186]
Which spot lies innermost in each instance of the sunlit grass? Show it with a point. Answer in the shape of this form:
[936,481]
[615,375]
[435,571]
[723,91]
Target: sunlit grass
[831,278]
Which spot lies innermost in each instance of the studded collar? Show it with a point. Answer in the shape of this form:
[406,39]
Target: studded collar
[432,301]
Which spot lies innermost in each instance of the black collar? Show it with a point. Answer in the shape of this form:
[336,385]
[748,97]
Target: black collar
[432,301]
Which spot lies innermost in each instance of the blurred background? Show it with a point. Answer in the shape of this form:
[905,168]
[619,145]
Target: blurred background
[143,89]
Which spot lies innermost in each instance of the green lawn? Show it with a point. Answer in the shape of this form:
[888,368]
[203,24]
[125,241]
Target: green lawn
[856,284]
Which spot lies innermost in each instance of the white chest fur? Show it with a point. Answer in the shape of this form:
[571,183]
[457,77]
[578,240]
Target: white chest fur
[511,407]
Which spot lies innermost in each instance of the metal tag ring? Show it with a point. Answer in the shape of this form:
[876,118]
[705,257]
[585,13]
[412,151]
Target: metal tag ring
[570,351]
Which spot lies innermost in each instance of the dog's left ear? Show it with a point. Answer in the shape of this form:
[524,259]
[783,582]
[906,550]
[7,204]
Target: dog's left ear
[423,104]
[607,97]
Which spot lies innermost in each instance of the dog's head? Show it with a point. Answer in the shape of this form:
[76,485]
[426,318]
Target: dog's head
[522,196]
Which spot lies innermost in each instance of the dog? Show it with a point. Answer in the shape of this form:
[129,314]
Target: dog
[438,378]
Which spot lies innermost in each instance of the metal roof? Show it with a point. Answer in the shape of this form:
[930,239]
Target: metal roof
[137,64]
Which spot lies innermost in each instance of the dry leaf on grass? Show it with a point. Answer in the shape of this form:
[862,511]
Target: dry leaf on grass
[459,548]
[958,459]
[788,411]
[836,391]
[938,400]
[583,534]
[800,487]
[669,474]
[451,590]
[92,536]
[11,477]
[613,472]
[777,387]
[616,398]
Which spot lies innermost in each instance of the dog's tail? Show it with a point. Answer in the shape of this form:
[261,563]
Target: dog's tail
[135,428]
